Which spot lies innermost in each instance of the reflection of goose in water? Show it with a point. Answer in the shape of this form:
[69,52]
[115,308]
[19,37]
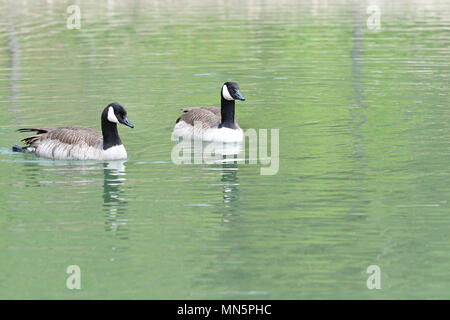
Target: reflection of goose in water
[231,194]
[114,204]
[41,172]
[230,183]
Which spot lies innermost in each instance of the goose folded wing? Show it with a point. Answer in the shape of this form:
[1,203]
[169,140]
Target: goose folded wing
[67,135]
[214,110]
[76,135]
[209,117]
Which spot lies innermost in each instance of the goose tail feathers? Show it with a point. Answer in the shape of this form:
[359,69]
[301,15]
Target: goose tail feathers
[29,140]
[37,130]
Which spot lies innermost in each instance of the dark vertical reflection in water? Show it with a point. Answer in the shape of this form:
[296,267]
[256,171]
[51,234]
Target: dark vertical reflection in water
[357,108]
[15,53]
[357,55]
[114,204]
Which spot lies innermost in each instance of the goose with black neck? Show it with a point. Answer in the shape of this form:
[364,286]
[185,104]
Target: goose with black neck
[212,123]
[80,143]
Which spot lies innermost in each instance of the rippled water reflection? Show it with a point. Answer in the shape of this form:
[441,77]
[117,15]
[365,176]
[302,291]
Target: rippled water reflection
[364,149]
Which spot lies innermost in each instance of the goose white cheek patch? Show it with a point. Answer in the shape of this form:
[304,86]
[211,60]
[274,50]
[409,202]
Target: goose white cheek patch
[111,116]
[226,94]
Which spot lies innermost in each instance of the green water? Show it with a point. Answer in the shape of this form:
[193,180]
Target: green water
[363,178]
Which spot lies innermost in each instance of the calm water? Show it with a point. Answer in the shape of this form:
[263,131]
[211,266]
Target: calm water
[364,151]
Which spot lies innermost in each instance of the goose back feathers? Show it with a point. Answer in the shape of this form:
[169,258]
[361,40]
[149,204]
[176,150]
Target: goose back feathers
[210,117]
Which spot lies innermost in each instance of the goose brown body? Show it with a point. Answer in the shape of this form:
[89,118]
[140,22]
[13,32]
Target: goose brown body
[210,117]
[66,135]
[80,143]
[71,143]
[212,123]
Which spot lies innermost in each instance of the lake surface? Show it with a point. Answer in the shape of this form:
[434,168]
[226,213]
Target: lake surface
[364,147]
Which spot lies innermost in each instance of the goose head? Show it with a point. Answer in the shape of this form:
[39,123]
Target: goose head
[116,113]
[231,92]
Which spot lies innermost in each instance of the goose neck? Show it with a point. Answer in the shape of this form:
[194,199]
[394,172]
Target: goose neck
[110,134]
[227,112]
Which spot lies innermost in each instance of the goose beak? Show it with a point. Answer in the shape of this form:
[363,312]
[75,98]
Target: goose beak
[126,122]
[239,96]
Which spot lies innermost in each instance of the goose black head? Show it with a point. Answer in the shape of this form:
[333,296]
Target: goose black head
[230,91]
[116,113]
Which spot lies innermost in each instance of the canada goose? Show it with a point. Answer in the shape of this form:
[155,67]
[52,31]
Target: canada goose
[212,123]
[79,143]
